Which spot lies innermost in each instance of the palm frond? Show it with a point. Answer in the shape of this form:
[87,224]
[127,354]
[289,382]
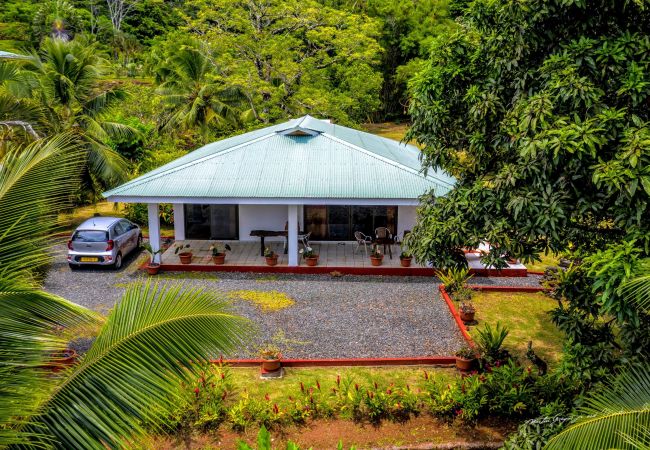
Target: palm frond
[35,184]
[130,375]
[30,321]
[104,162]
[611,417]
[638,288]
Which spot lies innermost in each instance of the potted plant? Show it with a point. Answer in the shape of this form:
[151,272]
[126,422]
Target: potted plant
[152,266]
[271,357]
[311,258]
[465,358]
[376,257]
[184,252]
[271,257]
[218,256]
[467,312]
[405,259]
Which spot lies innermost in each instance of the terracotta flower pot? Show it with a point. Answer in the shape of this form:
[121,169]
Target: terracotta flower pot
[312,260]
[153,268]
[271,365]
[467,316]
[271,260]
[463,364]
[186,258]
[219,259]
[405,262]
[376,260]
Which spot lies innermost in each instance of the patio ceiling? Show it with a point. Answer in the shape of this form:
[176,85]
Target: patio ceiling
[301,161]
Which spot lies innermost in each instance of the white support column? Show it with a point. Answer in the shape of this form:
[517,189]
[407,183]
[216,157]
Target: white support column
[301,215]
[154,228]
[179,221]
[292,231]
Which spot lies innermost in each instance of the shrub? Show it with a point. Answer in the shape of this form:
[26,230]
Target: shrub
[489,341]
[138,213]
[454,279]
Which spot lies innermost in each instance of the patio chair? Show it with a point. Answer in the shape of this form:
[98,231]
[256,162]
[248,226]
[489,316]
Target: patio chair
[384,237]
[304,239]
[362,239]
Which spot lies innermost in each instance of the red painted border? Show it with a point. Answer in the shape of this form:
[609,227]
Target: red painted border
[534,272]
[456,316]
[478,287]
[306,270]
[351,362]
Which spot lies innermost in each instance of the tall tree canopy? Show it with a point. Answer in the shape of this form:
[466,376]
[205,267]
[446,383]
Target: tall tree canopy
[541,111]
[294,56]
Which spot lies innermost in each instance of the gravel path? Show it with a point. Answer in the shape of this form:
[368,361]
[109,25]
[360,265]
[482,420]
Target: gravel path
[350,316]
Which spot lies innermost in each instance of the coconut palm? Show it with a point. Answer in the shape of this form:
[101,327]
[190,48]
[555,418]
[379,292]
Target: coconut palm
[194,93]
[76,100]
[130,376]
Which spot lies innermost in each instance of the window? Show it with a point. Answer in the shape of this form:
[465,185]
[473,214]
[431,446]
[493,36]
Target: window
[90,236]
[212,222]
[338,223]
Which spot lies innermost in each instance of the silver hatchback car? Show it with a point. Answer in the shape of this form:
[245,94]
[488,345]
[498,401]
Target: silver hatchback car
[103,241]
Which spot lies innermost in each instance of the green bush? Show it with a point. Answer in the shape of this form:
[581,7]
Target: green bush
[454,279]
[137,213]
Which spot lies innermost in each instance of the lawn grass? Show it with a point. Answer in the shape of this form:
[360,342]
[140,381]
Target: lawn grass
[390,130]
[547,260]
[525,314]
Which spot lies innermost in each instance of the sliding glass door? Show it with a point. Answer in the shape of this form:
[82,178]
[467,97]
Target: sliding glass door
[212,222]
[338,223]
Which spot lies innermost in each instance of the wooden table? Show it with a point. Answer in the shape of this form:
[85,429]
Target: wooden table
[268,233]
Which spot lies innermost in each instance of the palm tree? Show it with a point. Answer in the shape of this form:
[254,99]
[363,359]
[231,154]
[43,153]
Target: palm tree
[617,416]
[130,376]
[194,93]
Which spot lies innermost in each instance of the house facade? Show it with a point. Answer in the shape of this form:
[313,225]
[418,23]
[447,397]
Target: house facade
[302,176]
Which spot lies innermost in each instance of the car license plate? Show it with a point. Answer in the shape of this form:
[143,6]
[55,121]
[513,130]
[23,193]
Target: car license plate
[88,259]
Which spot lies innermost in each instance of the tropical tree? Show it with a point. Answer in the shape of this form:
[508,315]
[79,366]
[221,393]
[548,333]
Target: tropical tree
[194,91]
[293,57]
[539,109]
[146,346]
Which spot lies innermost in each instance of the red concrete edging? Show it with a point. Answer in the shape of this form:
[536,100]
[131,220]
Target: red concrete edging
[478,287]
[306,270]
[456,316]
[534,272]
[348,362]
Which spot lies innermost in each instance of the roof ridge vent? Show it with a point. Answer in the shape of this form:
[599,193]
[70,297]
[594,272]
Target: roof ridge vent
[299,131]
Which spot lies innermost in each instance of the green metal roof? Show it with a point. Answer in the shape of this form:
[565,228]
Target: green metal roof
[301,158]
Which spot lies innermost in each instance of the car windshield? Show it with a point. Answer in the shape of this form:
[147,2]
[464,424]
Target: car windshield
[90,236]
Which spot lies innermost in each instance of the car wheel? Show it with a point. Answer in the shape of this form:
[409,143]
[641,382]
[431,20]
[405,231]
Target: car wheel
[73,266]
[117,265]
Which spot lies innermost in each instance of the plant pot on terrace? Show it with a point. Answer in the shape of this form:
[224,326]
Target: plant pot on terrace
[465,359]
[271,257]
[184,252]
[153,268]
[376,256]
[218,256]
[311,258]
[405,259]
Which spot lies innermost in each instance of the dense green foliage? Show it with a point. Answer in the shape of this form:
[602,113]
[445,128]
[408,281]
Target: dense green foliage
[540,111]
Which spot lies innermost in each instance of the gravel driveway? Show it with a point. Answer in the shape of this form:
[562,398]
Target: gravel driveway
[350,316]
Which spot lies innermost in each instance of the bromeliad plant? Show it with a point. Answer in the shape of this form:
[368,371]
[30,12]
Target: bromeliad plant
[454,279]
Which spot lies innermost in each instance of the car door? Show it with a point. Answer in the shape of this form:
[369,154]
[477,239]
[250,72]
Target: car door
[120,239]
[131,235]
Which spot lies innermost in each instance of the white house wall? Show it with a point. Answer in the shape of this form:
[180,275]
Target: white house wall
[261,217]
[405,219]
